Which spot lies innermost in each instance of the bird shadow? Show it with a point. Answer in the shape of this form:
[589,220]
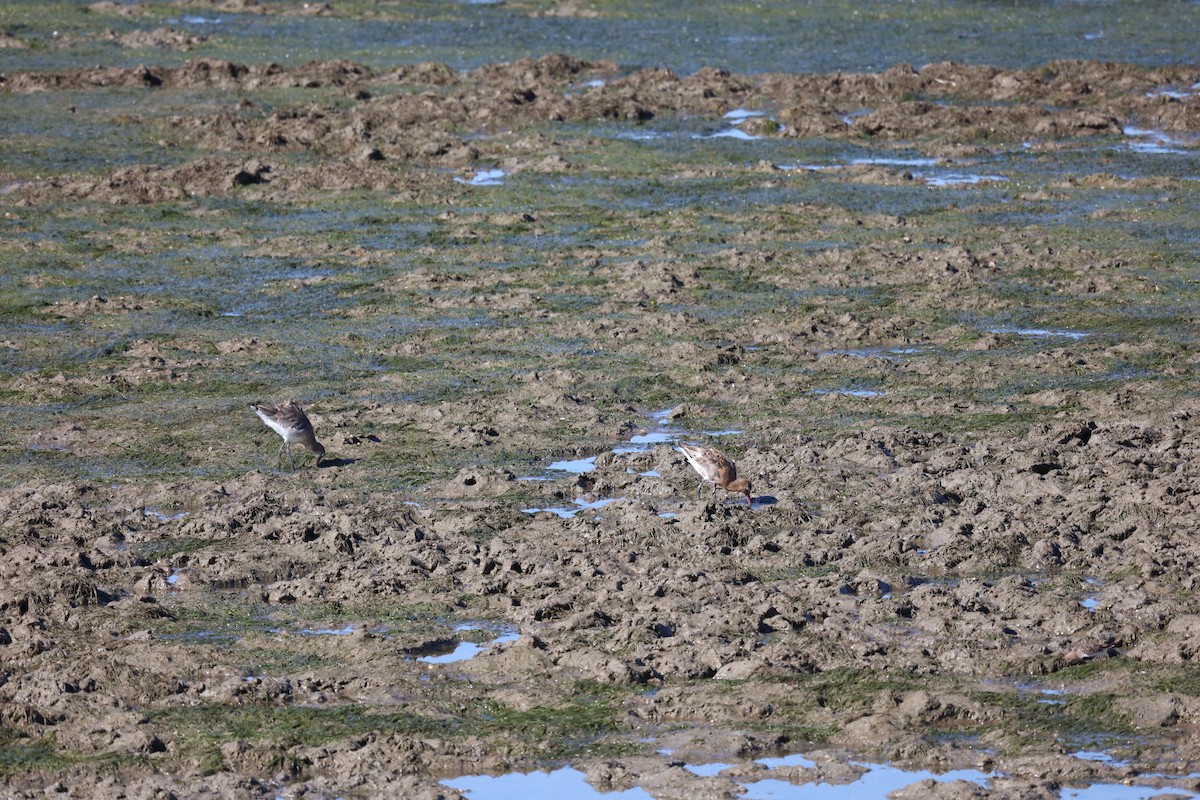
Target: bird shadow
[337,462]
[763,500]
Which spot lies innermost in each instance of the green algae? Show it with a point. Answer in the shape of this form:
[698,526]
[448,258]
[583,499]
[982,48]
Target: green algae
[1092,716]
[46,756]
[545,732]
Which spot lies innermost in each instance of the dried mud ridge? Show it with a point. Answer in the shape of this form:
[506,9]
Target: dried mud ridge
[909,594]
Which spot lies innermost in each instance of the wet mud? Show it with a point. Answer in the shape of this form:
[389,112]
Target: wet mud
[971,428]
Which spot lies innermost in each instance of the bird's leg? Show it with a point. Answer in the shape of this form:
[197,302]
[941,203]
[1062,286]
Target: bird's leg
[699,489]
[291,463]
[279,456]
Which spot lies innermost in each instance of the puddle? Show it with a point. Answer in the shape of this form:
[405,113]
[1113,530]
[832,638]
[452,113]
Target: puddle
[1191,776]
[205,636]
[151,511]
[640,135]
[1090,603]
[581,88]
[1100,756]
[1042,333]
[346,631]
[569,512]
[1144,140]
[653,438]
[958,179]
[484,177]
[464,651]
[890,353]
[666,132]
[877,782]
[740,114]
[1155,148]
[226,633]
[728,133]
[1167,91]
[259,624]
[896,162]
[195,20]
[657,437]
[662,416]
[848,119]
[706,770]
[794,760]
[568,783]
[563,784]
[638,443]
[578,466]
[1119,791]
[849,392]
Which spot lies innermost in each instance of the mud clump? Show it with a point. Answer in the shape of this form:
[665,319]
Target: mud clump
[762,600]
[1063,101]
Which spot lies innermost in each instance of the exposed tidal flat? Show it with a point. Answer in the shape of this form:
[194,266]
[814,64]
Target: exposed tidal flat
[927,272]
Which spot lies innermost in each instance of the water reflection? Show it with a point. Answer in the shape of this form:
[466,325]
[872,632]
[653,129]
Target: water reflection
[484,177]
[464,651]
[562,784]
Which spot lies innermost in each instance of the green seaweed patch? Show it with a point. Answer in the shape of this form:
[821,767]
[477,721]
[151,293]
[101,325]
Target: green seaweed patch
[1126,673]
[427,617]
[281,661]
[1182,680]
[850,689]
[545,732]
[166,549]
[221,623]
[25,756]
[786,573]
[214,723]
[1093,715]
[22,755]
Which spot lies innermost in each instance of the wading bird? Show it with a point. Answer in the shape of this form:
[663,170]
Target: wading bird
[715,468]
[290,422]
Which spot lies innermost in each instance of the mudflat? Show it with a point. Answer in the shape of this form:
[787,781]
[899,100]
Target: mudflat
[941,317]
